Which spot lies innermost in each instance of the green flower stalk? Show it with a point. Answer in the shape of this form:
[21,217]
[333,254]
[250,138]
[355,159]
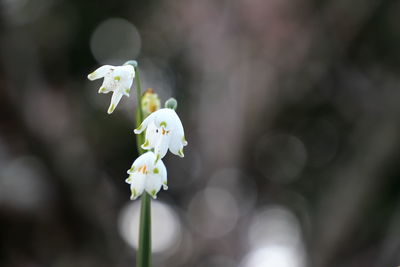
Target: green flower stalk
[143,257]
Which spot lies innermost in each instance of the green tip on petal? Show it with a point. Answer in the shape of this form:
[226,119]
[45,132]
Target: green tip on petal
[157,158]
[127,90]
[163,123]
[153,193]
[111,109]
[156,170]
[138,129]
[91,75]
[102,90]
[180,153]
[146,143]
[132,169]
[117,78]
[184,142]
[134,193]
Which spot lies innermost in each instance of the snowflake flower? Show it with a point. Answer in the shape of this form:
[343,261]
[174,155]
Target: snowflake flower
[147,174]
[163,130]
[117,79]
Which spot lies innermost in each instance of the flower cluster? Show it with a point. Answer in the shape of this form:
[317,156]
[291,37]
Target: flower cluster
[163,130]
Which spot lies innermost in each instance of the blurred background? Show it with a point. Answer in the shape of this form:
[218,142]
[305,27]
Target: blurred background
[291,110]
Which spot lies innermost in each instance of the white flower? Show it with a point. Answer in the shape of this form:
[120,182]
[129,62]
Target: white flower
[163,130]
[147,174]
[117,79]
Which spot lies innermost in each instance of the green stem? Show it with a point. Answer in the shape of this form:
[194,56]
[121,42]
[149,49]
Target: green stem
[143,258]
[139,111]
[144,252]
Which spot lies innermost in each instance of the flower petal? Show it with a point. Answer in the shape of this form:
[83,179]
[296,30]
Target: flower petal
[108,85]
[166,118]
[152,134]
[125,87]
[177,143]
[116,97]
[103,89]
[163,174]
[153,184]
[100,72]
[144,124]
[161,146]
[127,72]
[123,78]
[133,168]
[137,184]
[184,142]
[140,161]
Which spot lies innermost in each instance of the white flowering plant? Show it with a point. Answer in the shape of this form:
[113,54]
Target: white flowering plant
[163,131]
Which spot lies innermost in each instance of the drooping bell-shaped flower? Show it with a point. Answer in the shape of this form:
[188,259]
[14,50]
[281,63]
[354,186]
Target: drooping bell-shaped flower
[117,79]
[163,130]
[147,174]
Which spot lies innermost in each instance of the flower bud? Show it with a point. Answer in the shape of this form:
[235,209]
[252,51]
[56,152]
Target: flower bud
[133,63]
[171,103]
[150,102]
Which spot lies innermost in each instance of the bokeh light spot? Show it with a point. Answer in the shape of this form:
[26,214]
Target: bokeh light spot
[273,256]
[276,225]
[166,227]
[115,41]
[213,212]
[275,239]
[23,186]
